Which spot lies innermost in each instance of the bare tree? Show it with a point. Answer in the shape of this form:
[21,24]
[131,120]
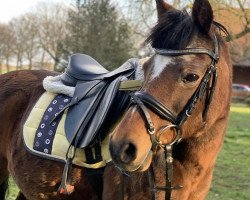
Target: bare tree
[237,9]
[30,35]
[235,16]
[6,44]
[19,41]
[2,27]
[51,20]
[142,13]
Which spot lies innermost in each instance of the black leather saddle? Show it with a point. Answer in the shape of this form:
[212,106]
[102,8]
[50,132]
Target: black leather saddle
[97,103]
[82,67]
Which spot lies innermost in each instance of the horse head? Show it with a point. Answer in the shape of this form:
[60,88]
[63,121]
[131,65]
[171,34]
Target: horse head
[182,78]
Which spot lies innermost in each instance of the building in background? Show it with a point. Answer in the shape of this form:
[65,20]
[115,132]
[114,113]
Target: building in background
[235,21]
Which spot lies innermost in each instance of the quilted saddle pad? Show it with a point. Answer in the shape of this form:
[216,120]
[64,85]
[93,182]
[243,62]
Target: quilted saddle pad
[46,138]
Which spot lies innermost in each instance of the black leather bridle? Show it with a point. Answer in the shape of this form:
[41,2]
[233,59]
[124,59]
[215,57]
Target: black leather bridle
[146,101]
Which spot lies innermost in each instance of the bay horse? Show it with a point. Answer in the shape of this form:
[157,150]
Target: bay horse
[171,80]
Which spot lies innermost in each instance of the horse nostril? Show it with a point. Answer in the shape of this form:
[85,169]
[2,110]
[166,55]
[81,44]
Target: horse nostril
[128,153]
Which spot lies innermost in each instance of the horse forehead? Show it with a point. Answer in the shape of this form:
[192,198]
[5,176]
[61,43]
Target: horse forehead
[161,62]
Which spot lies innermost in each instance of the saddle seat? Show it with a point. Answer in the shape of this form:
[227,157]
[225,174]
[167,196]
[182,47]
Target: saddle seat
[82,67]
[97,103]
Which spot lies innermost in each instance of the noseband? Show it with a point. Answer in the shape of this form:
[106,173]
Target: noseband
[146,101]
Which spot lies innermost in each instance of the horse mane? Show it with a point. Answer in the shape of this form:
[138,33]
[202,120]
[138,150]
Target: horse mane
[175,30]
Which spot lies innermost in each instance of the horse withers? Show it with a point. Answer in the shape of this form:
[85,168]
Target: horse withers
[175,127]
[179,83]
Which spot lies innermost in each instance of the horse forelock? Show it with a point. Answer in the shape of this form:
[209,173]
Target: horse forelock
[176,29]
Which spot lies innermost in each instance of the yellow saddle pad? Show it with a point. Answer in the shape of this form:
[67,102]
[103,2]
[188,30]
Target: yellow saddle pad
[59,143]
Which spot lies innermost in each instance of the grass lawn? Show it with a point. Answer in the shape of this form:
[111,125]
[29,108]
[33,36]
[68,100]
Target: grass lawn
[13,190]
[232,172]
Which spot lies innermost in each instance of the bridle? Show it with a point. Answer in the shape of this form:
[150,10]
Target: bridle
[146,101]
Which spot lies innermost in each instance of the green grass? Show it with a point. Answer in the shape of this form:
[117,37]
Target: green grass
[232,172]
[13,190]
[231,179]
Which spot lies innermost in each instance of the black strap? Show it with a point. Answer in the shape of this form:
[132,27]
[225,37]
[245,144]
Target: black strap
[210,93]
[199,94]
[168,151]
[89,155]
[186,52]
[156,106]
[146,115]
[169,170]
[148,120]
[94,153]
[213,54]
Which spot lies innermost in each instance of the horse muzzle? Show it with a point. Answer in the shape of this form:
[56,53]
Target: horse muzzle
[125,156]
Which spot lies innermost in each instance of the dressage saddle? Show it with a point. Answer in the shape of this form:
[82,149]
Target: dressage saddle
[97,103]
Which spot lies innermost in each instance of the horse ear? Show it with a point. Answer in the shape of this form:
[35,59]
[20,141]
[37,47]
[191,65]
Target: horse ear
[202,15]
[162,7]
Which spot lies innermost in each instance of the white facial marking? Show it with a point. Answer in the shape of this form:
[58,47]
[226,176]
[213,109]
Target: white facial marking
[160,62]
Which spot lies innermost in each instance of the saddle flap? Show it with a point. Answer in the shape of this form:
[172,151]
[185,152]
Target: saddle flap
[101,113]
[92,102]
[81,112]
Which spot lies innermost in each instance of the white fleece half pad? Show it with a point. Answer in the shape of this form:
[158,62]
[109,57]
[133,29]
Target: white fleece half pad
[54,84]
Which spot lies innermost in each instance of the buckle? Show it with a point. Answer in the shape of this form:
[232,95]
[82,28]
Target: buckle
[176,138]
[165,188]
[151,131]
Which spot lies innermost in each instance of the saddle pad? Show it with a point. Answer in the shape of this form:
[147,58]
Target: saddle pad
[49,140]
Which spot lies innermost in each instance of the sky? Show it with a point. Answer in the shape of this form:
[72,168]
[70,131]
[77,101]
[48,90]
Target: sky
[14,8]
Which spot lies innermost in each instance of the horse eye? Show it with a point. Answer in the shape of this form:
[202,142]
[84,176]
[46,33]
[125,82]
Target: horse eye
[190,78]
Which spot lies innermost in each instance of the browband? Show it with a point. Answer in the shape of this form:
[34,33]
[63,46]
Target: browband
[171,52]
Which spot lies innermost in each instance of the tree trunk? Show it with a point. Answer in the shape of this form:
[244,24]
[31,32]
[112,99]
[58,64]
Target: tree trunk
[17,64]
[30,64]
[42,59]
[7,64]
[21,64]
[56,61]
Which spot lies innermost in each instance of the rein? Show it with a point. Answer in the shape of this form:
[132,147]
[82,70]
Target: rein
[146,101]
